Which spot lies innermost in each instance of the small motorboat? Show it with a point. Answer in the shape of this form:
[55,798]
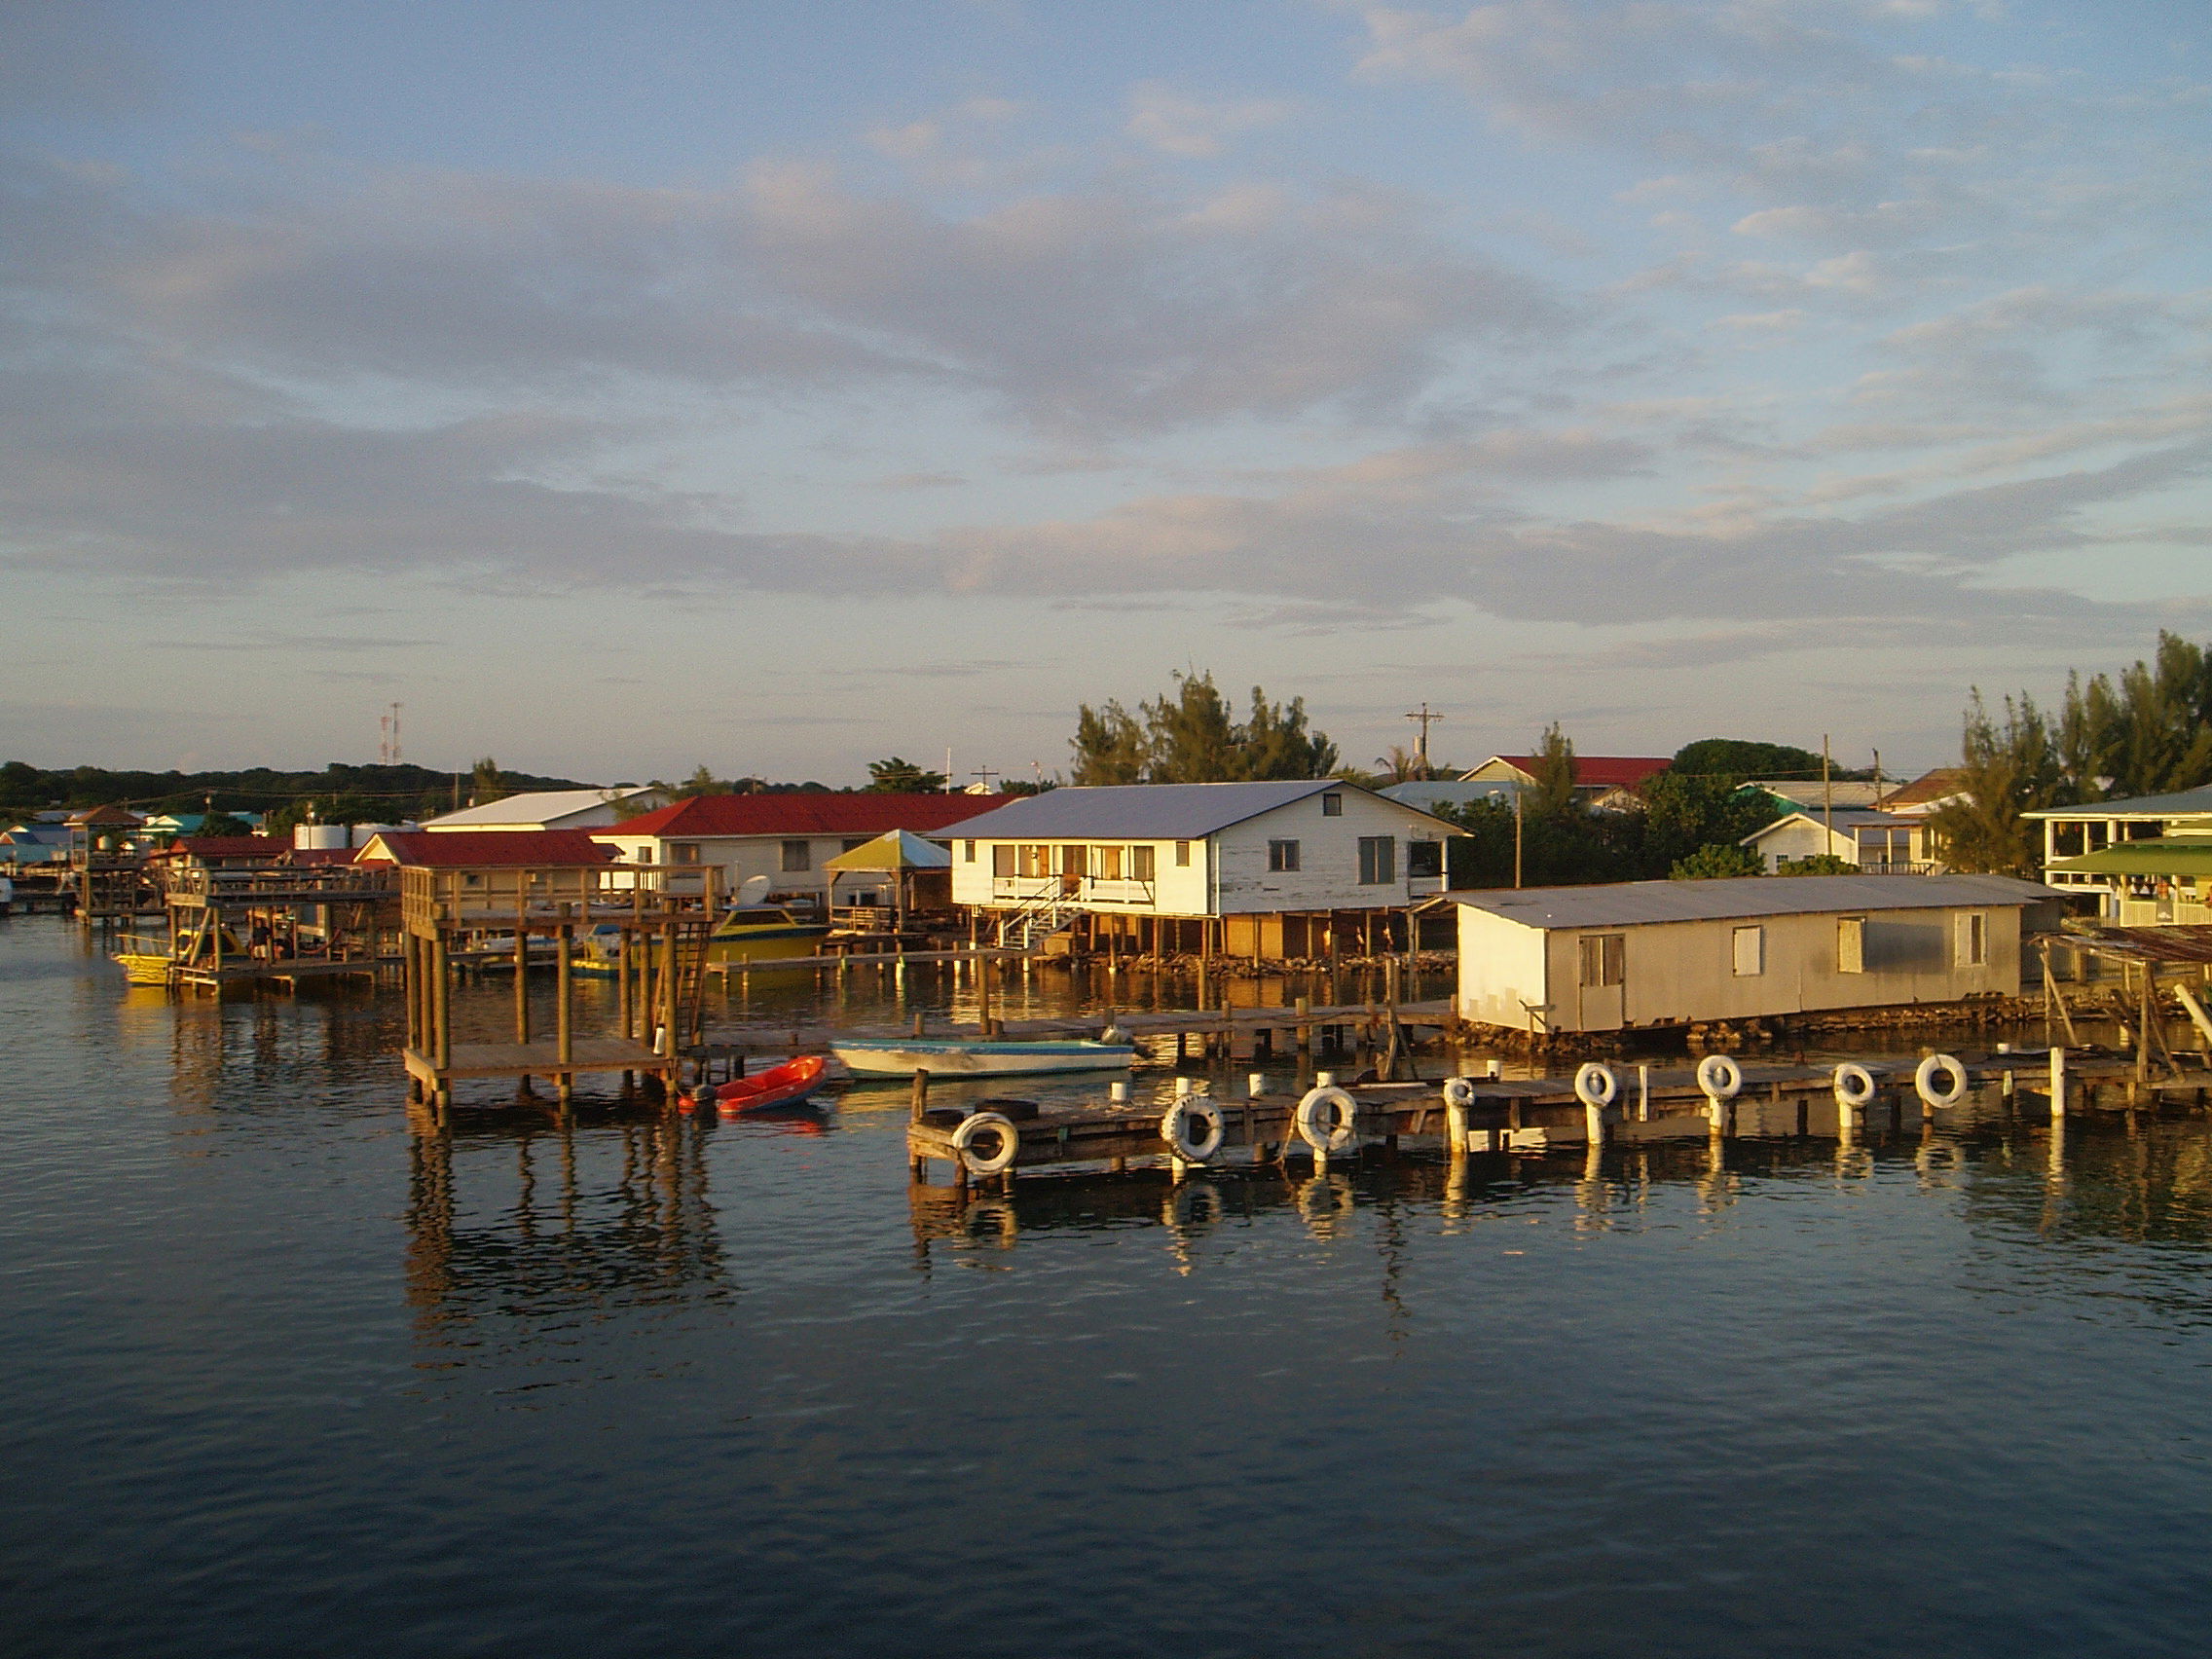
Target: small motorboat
[787,1085]
[954,1056]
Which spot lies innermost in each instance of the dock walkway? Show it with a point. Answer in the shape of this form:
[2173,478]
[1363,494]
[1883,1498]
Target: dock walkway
[1535,1115]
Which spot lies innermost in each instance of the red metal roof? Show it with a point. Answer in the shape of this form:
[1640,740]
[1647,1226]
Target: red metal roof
[231,847]
[809,814]
[1602,771]
[504,849]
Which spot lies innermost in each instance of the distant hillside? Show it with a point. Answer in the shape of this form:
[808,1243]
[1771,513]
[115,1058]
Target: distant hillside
[340,793]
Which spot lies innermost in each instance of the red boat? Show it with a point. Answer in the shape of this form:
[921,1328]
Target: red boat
[787,1085]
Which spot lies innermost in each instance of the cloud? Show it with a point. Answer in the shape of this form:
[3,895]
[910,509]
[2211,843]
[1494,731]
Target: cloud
[1112,308]
[1179,125]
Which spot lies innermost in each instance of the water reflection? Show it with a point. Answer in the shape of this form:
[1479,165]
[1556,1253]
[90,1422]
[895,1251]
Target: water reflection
[546,1224]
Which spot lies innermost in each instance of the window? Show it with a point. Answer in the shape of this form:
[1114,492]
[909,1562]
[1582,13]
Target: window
[1181,852]
[1851,945]
[968,850]
[1282,856]
[1073,860]
[684,852]
[1605,958]
[1002,858]
[1425,858]
[1106,863]
[1378,861]
[1033,860]
[798,854]
[1141,863]
[1332,806]
[1974,941]
[1750,952]
[853,843]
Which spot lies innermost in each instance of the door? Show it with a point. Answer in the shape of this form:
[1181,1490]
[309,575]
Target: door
[1603,976]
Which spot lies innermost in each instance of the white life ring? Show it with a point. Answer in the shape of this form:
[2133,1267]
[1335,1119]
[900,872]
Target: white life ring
[1339,1108]
[1595,1085]
[1923,1080]
[1719,1075]
[1175,1129]
[999,1162]
[1458,1091]
[1854,1085]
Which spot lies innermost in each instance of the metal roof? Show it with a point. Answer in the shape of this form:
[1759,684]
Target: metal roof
[1452,792]
[488,849]
[894,849]
[2178,856]
[1150,812]
[1630,904]
[804,812]
[541,806]
[1591,771]
[2180,805]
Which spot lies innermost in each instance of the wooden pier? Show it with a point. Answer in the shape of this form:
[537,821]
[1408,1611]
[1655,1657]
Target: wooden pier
[1524,1115]
[663,914]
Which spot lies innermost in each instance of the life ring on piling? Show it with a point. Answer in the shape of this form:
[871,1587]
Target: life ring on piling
[1595,1085]
[975,1124]
[1330,1105]
[1720,1077]
[1923,1080]
[1175,1129]
[1854,1085]
[1458,1091]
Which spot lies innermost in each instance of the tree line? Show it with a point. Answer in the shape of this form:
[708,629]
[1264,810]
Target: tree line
[2147,731]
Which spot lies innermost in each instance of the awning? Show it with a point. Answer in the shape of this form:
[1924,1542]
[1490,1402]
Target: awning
[2174,857]
[895,849]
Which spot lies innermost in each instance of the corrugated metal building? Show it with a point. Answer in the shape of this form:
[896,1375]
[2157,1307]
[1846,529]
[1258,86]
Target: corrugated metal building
[1669,953]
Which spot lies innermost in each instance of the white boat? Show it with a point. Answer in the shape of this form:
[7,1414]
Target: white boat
[902,1056]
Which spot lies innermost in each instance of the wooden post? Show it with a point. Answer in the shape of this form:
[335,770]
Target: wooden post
[2057,1085]
[564,1034]
[1305,1009]
[920,1101]
[522,969]
[441,1009]
[625,1009]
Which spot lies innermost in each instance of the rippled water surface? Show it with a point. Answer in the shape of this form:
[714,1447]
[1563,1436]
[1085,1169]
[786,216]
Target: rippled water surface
[284,1374]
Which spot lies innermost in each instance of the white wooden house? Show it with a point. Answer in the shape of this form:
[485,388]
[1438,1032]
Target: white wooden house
[1671,953]
[1294,868]
[1880,843]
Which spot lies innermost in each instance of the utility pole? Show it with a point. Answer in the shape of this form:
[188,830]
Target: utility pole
[1878,777]
[394,734]
[984,775]
[1827,798]
[1517,834]
[1421,746]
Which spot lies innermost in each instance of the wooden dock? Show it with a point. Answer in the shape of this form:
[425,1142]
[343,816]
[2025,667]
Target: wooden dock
[1529,1115]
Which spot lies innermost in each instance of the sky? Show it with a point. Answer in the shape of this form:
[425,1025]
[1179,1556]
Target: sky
[779,388]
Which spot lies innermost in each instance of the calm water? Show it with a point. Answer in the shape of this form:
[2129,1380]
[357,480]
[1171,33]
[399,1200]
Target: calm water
[284,1376]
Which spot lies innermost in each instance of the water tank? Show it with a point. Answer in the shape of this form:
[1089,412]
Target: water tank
[362,833]
[313,838]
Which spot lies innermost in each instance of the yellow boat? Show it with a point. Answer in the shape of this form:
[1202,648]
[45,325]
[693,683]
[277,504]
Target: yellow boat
[751,934]
[147,961]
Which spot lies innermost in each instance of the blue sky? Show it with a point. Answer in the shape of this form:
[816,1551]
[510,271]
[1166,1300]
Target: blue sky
[621,388]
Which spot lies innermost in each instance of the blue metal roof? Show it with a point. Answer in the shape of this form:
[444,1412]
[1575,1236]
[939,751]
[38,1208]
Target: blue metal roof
[1141,812]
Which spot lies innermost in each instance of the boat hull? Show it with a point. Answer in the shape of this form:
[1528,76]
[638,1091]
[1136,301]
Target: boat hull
[896,1059]
[788,1085]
